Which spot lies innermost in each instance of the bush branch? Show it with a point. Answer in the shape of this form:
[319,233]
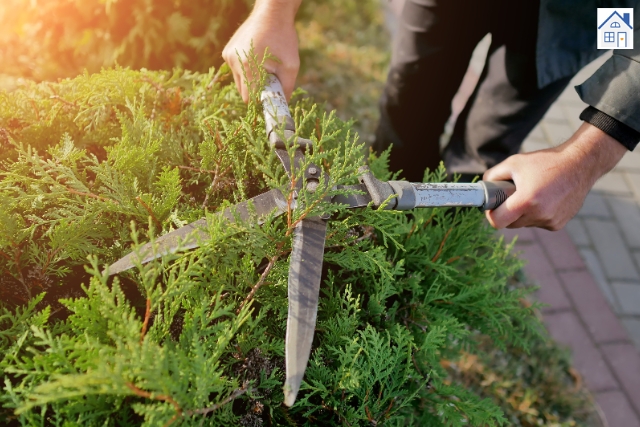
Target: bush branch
[162,397]
[145,324]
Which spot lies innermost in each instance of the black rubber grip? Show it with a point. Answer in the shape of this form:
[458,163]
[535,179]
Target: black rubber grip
[496,193]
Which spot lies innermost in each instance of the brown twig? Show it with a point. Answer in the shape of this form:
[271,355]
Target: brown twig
[386,413]
[195,169]
[304,215]
[162,397]
[145,324]
[152,83]
[35,108]
[204,411]
[50,255]
[153,217]
[214,183]
[64,101]
[415,364]
[292,187]
[424,226]
[93,196]
[437,255]
[260,282]
[16,261]
[369,416]
[365,236]
[215,134]
[413,228]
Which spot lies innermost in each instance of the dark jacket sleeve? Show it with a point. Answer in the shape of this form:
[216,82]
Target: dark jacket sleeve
[614,88]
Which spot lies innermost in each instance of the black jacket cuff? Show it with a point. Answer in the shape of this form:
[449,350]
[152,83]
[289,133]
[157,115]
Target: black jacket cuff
[622,133]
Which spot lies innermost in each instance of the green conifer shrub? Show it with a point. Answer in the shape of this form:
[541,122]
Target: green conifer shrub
[96,165]
[51,39]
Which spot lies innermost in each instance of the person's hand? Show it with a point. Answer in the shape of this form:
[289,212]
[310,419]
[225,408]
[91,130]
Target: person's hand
[270,26]
[551,184]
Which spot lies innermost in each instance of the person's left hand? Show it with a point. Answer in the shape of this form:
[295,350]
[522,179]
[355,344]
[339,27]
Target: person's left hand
[551,184]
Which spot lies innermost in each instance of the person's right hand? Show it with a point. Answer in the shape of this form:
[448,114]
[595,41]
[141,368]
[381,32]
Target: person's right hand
[269,27]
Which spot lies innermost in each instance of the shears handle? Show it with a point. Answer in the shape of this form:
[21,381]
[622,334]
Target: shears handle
[276,109]
[279,123]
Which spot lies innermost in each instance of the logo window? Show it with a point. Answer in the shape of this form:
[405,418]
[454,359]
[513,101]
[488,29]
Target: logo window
[615,28]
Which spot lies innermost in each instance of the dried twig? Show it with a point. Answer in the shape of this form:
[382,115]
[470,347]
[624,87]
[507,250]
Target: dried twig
[195,169]
[93,196]
[148,209]
[214,183]
[64,101]
[162,397]
[437,255]
[145,324]
[204,411]
[260,281]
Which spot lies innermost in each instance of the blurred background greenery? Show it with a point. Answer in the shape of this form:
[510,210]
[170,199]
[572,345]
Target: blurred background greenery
[344,44]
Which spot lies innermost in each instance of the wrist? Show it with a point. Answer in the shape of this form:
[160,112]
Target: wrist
[594,152]
[281,12]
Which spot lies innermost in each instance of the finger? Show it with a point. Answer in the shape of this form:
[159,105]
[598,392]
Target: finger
[239,79]
[506,214]
[503,171]
[288,81]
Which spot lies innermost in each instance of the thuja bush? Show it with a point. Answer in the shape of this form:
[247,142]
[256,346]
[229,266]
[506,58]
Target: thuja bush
[95,166]
[50,39]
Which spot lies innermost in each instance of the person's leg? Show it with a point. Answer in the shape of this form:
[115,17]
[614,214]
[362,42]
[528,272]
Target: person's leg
[507,103]
[432,49]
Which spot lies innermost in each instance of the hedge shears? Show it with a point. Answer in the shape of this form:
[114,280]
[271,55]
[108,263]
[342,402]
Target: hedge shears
[305,265]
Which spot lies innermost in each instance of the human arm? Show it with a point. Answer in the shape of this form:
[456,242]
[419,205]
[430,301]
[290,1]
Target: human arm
[270,25]
[553,183]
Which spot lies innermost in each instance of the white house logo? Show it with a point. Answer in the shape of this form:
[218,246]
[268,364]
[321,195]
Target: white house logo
[615,28]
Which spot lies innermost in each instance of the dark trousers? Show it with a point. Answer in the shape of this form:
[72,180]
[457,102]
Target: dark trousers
[432,49]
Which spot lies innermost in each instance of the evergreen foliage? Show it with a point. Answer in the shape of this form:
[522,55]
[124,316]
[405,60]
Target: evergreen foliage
[94,166]
[50,39]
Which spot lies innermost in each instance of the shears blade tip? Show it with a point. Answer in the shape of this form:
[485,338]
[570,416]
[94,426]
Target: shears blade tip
[291,387]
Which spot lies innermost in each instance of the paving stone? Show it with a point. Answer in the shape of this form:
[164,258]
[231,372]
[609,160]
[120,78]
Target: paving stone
[595,268]
[624,359]
[628,294]
[629,162]
[633,179]
[577,232]
[540,271]
[536,133]
[612,183]
[632,325]
[594,206]
[566,329]
[524,235]
[530,145]
[592,307]
[611,249]
[627,214]
[560,249]
[556,132]
[617,409]
[572,112]
[555,114]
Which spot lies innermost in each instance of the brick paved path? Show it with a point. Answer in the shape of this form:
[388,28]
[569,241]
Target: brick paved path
[589,273]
